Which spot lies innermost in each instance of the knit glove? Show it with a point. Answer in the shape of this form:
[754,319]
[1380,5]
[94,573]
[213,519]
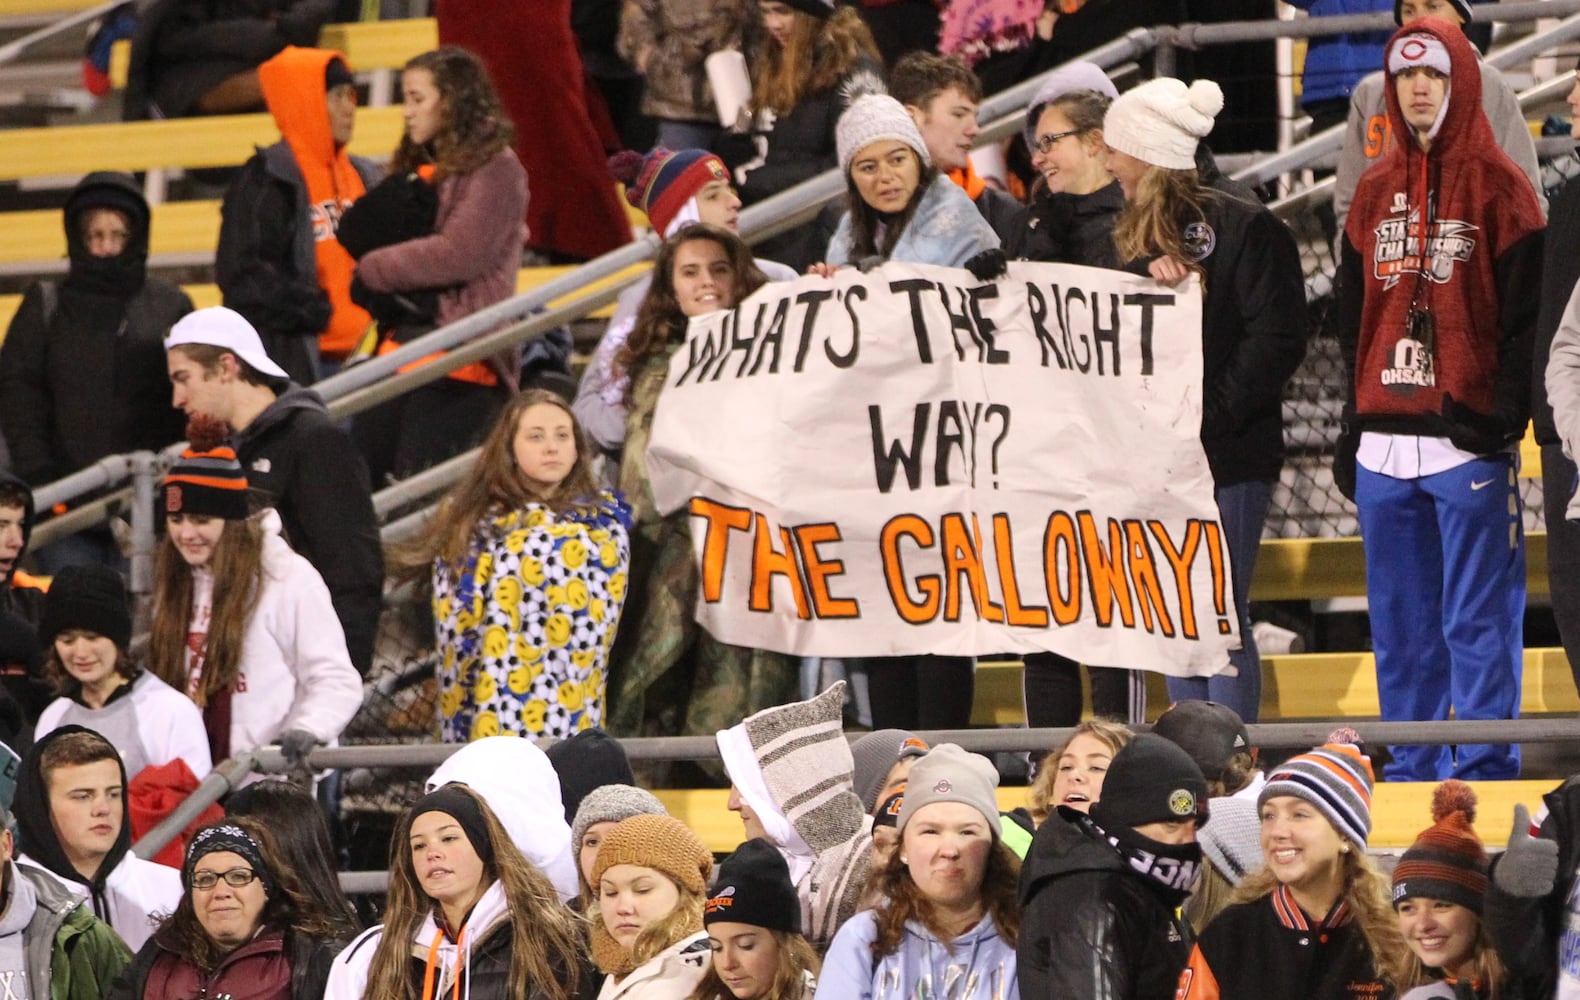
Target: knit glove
[988,264]
[296,744]
[1529,866]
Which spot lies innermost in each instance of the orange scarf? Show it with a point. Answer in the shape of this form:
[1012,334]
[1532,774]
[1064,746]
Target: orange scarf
[967,178]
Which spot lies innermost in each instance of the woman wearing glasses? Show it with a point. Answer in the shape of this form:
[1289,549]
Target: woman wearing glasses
[245,926]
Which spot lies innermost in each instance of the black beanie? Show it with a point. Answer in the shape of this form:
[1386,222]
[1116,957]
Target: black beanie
[753,887]
[90,597]
[463,808]
[1151,780]
[590,759]
[337,74]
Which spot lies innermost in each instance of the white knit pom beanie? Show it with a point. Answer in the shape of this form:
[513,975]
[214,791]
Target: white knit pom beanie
[872,118]
[1161,121]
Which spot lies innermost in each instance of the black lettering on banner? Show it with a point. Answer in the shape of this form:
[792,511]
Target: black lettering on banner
[1038,305]
[702,351]
[851,295]
[913,288]
[739,344]
[952,418]
[1083,364]
[994,355]
[886,454]
[812,298]
[1106,334]
[1002,412]
[1147,301]
[771,338]
[960,321]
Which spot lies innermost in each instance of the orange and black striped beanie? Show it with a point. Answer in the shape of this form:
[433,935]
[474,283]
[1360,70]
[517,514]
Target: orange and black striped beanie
[1447,860]
[207,482]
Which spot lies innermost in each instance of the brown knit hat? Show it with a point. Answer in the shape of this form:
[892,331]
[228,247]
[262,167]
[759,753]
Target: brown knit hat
[660,842]
[1447,860]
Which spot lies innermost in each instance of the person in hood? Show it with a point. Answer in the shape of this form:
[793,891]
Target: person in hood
[294,454]
[647,933]
[1253,328]
[51,944]
[468,915]
[245,926]
[241,623]
[1372,133]
[753,920]
[517,781]
[1101,889]
[94,335]
[278,262]
[825,839]
[1315,921]
[1436,324]
[948,921]
[72,822]
[88,622]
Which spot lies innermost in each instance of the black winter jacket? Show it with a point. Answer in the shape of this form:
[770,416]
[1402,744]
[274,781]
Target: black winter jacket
[1527,931]
[1253,335]
[267,265]
[1092,928]
[313,475]
[82,370]
[1071,229]
[1560,272]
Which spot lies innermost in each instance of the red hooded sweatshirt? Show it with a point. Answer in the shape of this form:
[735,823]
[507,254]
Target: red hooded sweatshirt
[293,86]
[1453,238]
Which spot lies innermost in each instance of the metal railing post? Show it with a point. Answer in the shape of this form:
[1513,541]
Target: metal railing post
[1165,56]
[145,483]
[215,785]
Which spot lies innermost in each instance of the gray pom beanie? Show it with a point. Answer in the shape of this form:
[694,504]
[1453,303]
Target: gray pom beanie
[873,118]
[1162,121]
[951,774]
[1072,77]
[612,803]
[876,754]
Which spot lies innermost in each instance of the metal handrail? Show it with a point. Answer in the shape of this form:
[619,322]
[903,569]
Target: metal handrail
[10,51]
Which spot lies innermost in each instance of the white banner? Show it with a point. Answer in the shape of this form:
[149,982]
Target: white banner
[913,461]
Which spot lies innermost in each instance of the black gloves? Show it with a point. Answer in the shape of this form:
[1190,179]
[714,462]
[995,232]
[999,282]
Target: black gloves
[988,265]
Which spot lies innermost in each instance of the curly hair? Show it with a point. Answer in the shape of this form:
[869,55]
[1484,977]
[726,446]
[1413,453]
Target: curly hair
[289,907]
[1039,798]
[1153,222]
[237,567]
[474,125]
[819,53]
[660,321]
[1366,891]
[494,483]
[865,220]
[796,958]
[545,948]
[903,900]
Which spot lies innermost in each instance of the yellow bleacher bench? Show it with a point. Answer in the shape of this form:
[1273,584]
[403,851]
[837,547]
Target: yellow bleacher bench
[33,8]
[1400,811]
[373,45]
[187,227]
[1303,569]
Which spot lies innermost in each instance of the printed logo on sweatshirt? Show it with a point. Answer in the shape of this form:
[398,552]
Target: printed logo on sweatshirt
[1199,241]
[1400,250]
[1412,368]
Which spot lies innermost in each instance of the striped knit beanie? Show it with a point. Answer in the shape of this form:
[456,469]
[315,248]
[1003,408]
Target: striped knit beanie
[661,182]
[207,480]
[1337,779]
[1447,860]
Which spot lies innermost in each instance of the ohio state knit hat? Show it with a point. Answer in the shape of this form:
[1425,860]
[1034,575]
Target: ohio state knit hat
[1418,48]
[950,773]
[876,754]
[1162,121]
[1462,7]
[873,118]
[661,182]
[1150,780]
[1447,860]
[90,597]
[754,888]
[1336,778]
[660,842]
[206,480]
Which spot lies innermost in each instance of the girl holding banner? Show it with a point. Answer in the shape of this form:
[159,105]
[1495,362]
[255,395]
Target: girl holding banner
[669,676]
[1253,323]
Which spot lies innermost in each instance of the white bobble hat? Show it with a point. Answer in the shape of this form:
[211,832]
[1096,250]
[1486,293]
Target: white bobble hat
[873,118]
[1161,121]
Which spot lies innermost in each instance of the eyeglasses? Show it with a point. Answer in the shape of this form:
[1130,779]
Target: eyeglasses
[1045,143]
[236,877]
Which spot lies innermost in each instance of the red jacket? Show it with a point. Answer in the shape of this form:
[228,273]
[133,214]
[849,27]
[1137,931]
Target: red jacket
[1464,375]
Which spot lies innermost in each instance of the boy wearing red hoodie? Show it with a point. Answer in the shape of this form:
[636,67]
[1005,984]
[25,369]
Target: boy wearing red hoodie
[1441,247]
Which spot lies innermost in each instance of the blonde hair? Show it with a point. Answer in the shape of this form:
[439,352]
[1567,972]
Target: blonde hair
[1039,799]
[1489,971]
[796,959]
[1210,896]
[675,926]
[1153,222]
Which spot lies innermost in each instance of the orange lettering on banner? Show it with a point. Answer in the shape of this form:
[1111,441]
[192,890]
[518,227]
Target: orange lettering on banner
[1059,545]
[721,520]
[808,537]
[1179,560]
[1144,577]
[1105,570]
[961,556]
[918,530]
[768,562]
[1036,615]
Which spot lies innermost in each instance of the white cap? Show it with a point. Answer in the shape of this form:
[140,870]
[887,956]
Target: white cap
[224,328]
[1162,121]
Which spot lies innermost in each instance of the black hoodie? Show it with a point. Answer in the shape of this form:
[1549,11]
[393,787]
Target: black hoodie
[82,369]
[1092,926]
[36,832]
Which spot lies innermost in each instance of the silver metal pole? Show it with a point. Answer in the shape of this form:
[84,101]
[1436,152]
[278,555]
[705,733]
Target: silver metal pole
[11,50]
[214,786]
[145,483]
